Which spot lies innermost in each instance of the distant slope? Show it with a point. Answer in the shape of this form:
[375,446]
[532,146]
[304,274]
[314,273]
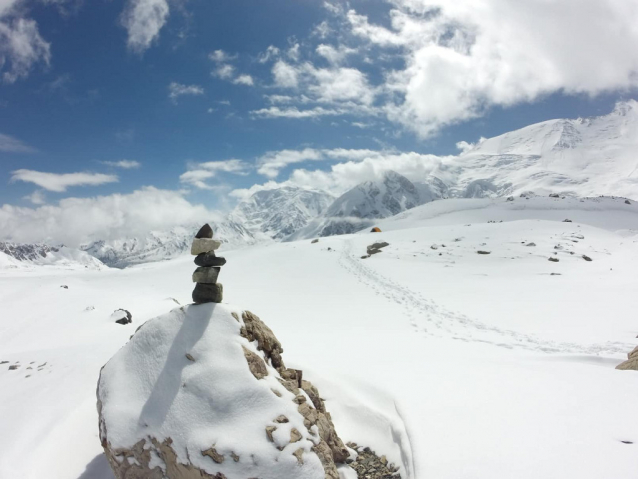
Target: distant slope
[583,157]
[611,214]
[277,213]
[17,255]
[163,245]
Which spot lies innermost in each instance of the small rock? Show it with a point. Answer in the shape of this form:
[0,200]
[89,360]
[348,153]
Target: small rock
[234,456]
[554,195]
[567,221]
[123,316]
[269,431]
[209,259]
[587,258]
[484,252]
[295,436]
[281,419]
[205,232]
[13,367]
[627,442]
[206,275]
[208,293]
[314,241]
[530,244]
[365,256]
[299,455]
[64,286]
[554,260]
[434,246]
[556,274]
[190,357]
[627,202]
[510,198]
[214,455]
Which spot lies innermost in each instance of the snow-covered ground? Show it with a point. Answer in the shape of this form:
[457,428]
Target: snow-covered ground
[498,365]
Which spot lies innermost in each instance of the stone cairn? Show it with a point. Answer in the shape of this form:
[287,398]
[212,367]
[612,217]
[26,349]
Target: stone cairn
[207,290]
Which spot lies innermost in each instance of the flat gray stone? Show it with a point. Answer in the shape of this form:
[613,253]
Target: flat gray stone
[206,275]
[204,245]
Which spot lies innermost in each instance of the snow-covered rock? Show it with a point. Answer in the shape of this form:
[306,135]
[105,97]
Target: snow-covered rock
[203,392]
[280,212]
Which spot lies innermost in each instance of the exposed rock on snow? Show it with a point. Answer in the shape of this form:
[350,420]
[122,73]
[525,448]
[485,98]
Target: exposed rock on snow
[122,316]
[632,361]
[376,248]
[212,399]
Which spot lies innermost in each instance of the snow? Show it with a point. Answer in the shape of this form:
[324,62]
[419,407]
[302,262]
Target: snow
[450,363]
[151,389]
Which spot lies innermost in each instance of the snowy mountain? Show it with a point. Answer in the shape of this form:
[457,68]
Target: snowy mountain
[582,157]
[163,245]
[357,208]
[16,256]
[280,212]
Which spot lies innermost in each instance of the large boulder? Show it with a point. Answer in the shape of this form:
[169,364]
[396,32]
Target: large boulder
[632,361]
[202,392]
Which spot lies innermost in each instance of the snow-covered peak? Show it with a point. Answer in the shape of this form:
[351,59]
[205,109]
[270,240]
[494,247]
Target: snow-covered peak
[389,195]
[280,212]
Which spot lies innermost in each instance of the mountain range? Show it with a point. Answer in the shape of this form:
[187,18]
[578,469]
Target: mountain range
[582,157]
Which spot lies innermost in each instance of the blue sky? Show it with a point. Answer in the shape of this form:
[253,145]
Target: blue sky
[173,87]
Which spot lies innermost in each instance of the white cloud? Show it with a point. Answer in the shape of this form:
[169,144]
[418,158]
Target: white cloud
[220,56]
[10,144]
[175,90]
[335,55]
[60,182]
[124,164]
[272,162]
[199,172]
[21,46]
[244,80]
[360,166]
[294,112]
[196,178]
[37,197]
[465,56]
[224,71]
[270,53]
[143,20]
[285,75]
[75,221]
[293,52]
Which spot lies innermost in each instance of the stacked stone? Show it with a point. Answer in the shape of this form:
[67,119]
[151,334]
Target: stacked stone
[207,290]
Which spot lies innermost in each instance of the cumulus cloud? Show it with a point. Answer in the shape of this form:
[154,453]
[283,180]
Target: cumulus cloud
[143,20]
[465,56]
[199,172]
[9,144]
[244,80]
[60,182]
[361,165]
[76,221]
[271,163]
[21,46]
[124,164]
[175,90]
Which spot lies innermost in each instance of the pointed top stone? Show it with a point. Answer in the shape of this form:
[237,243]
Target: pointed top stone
[205,232]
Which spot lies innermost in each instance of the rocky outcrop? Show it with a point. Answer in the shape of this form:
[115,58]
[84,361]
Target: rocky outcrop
[632,361]
[203,392]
